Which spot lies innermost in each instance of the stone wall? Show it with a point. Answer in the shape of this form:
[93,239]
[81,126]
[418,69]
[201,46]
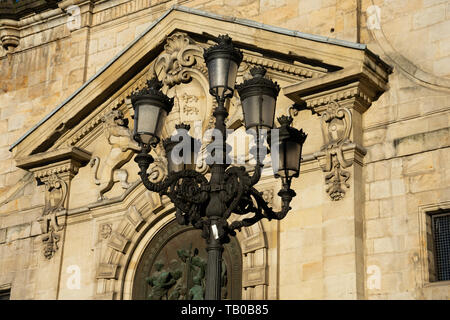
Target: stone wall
[406,134]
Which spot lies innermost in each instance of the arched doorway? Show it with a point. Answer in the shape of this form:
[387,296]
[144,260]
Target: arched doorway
[172,266]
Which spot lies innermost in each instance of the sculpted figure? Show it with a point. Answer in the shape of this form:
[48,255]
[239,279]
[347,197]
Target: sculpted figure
[197,290]
[160,281]
[106,171]
[197,269]
[178,291]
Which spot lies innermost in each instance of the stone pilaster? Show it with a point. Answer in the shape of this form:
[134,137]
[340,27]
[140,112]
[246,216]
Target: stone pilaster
[55,169]
[340,99]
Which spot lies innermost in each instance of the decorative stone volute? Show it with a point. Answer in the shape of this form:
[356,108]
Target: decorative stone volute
[340,98]
[9,34]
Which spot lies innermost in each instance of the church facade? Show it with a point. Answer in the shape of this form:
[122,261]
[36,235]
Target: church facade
[368,81]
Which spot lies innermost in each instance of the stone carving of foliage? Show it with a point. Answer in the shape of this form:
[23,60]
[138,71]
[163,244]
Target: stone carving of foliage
[336,124]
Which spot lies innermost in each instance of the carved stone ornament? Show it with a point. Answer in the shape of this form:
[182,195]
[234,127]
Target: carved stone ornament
[107,171]
[55,197]
[50,241]
[54,169]
[180,53]
[182,70]
[54,209]
[105,231]
[336,122]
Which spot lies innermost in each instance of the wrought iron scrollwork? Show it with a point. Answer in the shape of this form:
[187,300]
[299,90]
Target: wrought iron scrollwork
[190,192]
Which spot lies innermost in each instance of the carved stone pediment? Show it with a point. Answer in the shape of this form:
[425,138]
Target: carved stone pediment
[165,51]
[98,117]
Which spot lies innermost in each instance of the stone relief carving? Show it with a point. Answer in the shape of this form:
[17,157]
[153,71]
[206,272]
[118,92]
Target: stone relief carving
[189,104]
[50,241]
[107,171]
[158,169]
[336,123]
[182,69]
[105,231]
[182,279]
[55,197]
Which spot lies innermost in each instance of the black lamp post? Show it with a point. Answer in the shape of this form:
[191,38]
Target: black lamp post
[208,204]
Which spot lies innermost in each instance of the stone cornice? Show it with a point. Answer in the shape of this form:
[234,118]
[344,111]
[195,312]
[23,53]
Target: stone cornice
[300,70]
[358,82]
[63,162]
[9,34]
[141,52]
[11,9]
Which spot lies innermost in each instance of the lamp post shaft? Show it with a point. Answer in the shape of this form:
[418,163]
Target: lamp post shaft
[214,267]
[215,210]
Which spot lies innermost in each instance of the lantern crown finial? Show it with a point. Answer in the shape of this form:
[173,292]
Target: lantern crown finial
[183,125]
[258,72]
[258,83]
[154,83]
[225,46]
[153,90]
[285,120]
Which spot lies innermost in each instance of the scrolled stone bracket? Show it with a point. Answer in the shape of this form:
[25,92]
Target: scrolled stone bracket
[340,98]
[54,169]
[9,34]
[336,178]
[336,123]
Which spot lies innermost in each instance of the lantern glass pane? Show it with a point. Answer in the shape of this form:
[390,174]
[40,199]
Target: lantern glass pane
[174,166]
[232,73]
[251,111]
[222,74]
[259,112]
[151,119]
[289,159]
[268,111]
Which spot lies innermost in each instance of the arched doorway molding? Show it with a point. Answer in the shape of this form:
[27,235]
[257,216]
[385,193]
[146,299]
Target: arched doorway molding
[143,218]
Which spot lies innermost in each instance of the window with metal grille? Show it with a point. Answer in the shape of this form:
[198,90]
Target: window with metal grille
[438,243]
[441,237]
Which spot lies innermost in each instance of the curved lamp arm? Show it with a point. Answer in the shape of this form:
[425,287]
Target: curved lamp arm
[262,210]
[169,185]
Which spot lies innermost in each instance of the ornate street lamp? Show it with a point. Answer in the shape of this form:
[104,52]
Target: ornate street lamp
[208,204]
[151,107]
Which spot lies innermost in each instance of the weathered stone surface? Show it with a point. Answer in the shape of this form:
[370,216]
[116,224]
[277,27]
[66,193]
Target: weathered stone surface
[316,247]
[3,235]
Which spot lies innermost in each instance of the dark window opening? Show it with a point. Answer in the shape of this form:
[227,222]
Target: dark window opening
[5,294]
[438,245]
